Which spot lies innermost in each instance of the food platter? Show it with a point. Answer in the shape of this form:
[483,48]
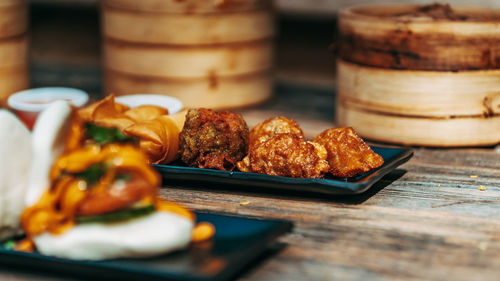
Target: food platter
[237,242]
[176,173]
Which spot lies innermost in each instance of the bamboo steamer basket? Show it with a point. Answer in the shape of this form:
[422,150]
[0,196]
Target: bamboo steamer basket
[439,132]
[12,80]
[188,62]
[13,52]
[13,48]
[209,92]
[419,93]
[405,37]
[190,6]
[427,84]
[179,48]
[175,29]
[13,18]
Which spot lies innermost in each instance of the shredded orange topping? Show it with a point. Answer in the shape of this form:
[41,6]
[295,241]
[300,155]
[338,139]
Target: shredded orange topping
[202,231]
[55,211]
[71,194]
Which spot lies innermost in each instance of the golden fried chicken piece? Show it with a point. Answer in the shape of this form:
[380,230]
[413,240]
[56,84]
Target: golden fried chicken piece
[286,155]
[274,126]
[348,154]
[213,139]
[266,130]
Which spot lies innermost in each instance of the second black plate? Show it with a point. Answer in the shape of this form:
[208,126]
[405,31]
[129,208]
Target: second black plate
[393,157]
[236,243]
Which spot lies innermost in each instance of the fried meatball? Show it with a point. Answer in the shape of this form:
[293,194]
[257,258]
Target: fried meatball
[274,126]
[348,154]
[286,155]
[213,139]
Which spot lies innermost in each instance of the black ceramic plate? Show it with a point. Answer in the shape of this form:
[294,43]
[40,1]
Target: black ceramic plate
[393,157]
[236,243]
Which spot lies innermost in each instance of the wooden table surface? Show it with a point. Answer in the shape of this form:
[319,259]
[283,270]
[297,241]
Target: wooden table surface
[427,220]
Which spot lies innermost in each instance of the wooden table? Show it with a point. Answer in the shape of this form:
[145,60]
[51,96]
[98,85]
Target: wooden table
[427,220]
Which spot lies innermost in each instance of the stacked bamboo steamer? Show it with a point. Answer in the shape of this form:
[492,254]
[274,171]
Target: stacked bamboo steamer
[420,75]
[13,48]
[214,54]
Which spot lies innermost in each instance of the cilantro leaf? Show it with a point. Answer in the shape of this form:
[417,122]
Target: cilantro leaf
[8,245]
[93,173]
[121,215]
[104,136]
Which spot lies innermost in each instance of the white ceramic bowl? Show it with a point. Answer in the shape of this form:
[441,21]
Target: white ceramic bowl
[29,103]
[35,100]
[172,104]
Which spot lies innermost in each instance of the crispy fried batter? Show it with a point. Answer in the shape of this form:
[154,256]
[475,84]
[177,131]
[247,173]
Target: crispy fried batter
[274,126]
[145,112]
[157,132]
[213,139]
[348,154]
[286,155]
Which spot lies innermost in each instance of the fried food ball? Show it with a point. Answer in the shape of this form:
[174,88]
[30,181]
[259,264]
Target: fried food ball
[274,126]
[348,154]
[286,155]
[213,139]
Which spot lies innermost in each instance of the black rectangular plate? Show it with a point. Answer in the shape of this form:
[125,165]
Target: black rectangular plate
[393,157]
[237,242]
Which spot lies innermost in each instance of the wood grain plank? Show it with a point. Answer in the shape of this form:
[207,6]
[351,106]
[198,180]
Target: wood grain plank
[366,236]
[429,221]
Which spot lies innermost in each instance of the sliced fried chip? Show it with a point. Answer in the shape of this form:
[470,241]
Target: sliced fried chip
[145,112]
[105,108]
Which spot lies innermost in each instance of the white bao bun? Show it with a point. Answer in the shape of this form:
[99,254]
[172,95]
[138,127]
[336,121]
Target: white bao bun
[49,137]
[15,157]
[155,234]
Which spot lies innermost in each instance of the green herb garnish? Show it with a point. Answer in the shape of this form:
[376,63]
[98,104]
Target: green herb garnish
[9,245]
[123,177]
[93,174]
[125,214]
[104,136]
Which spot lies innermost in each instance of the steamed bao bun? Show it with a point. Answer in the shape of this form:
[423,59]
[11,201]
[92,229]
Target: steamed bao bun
[153,234]
[15,157]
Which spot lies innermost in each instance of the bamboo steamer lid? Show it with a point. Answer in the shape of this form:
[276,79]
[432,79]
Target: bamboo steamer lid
[406,130]
[419,93]
[188,62]
[13,18]
[190,6]
[182,29]
[432,37]
[213,92]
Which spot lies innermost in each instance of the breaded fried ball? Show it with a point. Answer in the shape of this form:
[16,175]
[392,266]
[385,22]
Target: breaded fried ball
[213,139]
[272,127]
[348,154]
[286,155]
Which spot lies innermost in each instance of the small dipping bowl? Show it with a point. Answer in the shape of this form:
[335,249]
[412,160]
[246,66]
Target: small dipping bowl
[172,104]
[29,103]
